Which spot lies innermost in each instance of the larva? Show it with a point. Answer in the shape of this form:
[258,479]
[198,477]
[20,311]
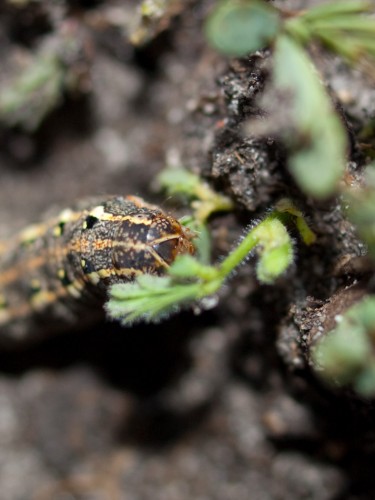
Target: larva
[55,275]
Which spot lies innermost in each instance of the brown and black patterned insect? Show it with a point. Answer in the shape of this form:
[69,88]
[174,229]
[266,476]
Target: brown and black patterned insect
[55,275]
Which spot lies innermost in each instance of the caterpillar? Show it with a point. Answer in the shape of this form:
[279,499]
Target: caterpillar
[55,275]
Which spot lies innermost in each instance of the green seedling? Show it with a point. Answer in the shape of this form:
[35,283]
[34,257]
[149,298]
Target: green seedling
[191,281]
[204,200]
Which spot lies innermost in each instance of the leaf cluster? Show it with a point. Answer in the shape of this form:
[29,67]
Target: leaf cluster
[315,137]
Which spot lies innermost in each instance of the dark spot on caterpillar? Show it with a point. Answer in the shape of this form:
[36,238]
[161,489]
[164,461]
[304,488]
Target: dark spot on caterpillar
[90,221]
[65,281]
[59,229]
[87,266]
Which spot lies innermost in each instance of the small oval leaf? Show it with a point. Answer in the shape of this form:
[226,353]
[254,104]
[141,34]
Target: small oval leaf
[240,27]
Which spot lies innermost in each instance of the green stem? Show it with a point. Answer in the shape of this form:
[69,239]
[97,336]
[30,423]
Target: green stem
[238,254]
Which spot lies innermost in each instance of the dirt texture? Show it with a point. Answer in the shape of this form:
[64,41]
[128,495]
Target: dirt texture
[210,407]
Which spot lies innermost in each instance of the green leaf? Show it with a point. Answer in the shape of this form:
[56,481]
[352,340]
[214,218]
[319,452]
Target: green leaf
[276,249]
[316,139]
[285,205]
[178,181]
[150,298]
[274,262]
[332,10]
[240,27]
[341,354]
[359,25]
[186,266]
[345,355]
[343,27]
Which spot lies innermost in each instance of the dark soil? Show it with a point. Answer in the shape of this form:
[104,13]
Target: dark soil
[210,407]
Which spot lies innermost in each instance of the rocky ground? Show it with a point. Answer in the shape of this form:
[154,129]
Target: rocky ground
[210,407]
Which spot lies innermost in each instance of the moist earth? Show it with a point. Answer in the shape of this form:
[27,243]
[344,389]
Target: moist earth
[212,406]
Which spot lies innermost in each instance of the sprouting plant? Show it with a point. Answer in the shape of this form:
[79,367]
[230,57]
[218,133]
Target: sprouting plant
[313,132]
[191,281]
